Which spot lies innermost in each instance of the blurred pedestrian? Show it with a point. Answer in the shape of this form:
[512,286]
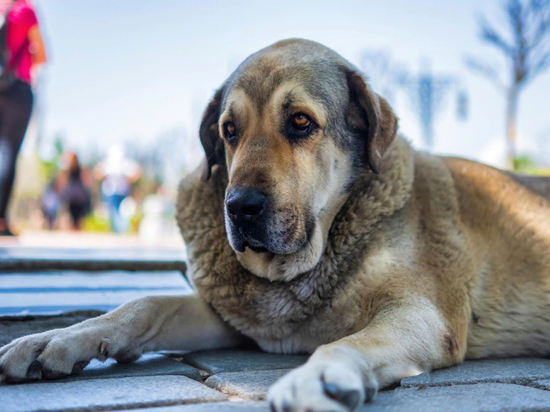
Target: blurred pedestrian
[117,173]
[75,194]
[21,51]
[158,215]
[50,202]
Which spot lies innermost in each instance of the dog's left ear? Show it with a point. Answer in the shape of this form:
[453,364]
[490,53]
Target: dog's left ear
[373,116]
[210,136]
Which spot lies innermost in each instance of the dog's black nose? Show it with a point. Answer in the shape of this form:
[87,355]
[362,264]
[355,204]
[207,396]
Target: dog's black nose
[245,204]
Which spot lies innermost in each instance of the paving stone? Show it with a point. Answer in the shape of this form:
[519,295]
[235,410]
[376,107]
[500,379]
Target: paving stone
[251,385]
[148,365]
[485,397]
[517,370]
[238,360]
[105,394]
[214,407]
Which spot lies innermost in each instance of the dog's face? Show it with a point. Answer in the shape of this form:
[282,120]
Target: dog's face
[293,125]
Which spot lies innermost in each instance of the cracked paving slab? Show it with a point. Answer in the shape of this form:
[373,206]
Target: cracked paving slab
[106,394]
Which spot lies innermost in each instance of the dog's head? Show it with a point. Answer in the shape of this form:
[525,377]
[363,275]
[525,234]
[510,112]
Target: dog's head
[294,124]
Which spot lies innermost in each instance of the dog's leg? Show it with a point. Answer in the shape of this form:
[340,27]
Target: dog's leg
[400,341]
[145,324]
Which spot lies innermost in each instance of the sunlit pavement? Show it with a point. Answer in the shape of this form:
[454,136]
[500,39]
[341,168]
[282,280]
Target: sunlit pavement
[53,281]
[65,239]
[46,273]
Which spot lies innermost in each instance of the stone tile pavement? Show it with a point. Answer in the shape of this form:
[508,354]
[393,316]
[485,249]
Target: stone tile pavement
[238,380]
[233,380]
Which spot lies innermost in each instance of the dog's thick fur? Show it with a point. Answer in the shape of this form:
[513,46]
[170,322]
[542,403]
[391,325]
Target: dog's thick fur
[379,260]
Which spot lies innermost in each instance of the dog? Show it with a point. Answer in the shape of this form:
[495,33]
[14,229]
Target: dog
[313,227]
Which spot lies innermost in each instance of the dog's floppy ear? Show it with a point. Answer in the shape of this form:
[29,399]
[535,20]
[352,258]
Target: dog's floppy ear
[210,136]
[376,119]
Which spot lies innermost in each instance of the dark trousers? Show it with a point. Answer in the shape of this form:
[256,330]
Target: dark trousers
[15,112]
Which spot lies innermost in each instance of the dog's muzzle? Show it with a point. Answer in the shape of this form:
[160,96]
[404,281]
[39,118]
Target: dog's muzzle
[246,208]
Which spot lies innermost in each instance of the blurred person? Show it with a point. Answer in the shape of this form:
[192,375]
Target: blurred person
[21,42]
[158,216]
[75,193]
[117,173]
[50,202]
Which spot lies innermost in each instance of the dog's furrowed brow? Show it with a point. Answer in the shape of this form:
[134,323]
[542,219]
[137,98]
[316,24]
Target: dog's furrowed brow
[228,115]
[296,99]
[288,100]
[233,113]
[292,98]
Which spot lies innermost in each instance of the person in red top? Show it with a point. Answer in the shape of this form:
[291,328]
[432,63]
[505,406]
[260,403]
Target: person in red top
[26,51]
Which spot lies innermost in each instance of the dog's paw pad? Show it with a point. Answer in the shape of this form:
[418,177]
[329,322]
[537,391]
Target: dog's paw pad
[79,367]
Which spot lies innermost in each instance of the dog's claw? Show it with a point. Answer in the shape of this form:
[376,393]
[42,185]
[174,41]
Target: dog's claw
[369,394]
[349,398]
[103,349]
[127,358]
[285,406]
[51,374]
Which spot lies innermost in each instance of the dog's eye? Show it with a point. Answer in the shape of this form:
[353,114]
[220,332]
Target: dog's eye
[299,126]
[230,131]
[301,122]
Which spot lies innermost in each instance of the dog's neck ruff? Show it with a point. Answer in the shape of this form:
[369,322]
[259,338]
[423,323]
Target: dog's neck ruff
[275,311]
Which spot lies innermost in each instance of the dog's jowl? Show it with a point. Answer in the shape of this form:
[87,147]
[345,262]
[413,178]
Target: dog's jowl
[312,227]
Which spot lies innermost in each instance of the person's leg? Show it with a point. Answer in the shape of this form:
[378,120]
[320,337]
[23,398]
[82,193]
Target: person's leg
[77,212]
[15,108]
[117,223]
[73,211]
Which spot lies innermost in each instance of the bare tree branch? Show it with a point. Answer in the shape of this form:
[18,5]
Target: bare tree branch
[491,36]
[539,66]
[484,69]
[542,26]
[525,43]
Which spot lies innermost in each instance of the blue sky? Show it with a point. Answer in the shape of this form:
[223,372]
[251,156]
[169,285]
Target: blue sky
[124,70]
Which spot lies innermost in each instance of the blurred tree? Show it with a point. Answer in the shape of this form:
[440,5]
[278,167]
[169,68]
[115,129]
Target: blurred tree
[165,158]
[524,42]
[525,164]
[59,145]
[382,72]
[50,166]
[427,92]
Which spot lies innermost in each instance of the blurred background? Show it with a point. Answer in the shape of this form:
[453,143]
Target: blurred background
[125,84]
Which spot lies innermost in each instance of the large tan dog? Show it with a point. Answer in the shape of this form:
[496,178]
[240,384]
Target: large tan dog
[313,228]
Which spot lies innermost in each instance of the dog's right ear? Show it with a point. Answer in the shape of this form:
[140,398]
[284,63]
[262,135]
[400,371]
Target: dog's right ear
[210,136]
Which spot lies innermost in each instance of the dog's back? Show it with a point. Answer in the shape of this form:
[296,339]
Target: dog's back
[507,218]
[537,184]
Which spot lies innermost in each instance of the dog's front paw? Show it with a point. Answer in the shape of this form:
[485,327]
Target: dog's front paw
[321,387]
[57,353]
[47,355]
